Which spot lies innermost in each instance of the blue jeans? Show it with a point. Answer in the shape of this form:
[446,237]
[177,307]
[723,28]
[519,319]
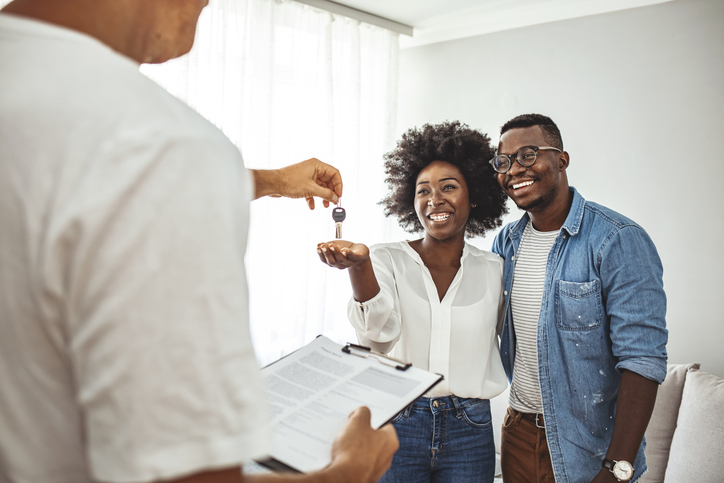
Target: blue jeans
[445,439]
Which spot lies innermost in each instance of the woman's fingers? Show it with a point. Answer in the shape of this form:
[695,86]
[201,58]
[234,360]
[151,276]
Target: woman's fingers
[331,254]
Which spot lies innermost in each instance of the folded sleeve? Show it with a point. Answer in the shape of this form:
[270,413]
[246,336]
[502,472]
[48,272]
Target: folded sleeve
[632,277]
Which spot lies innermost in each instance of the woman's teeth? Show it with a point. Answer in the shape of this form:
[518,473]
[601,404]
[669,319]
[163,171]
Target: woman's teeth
[439,216]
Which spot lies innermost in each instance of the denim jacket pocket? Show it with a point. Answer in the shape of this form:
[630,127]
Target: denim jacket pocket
[578,305]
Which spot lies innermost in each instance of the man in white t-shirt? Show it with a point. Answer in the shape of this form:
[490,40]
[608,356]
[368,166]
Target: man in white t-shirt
[125,353]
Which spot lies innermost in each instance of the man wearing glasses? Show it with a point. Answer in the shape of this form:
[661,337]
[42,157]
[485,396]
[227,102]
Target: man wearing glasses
[584,339]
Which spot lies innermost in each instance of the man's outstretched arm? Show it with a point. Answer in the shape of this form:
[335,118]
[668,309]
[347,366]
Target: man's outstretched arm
[308,179]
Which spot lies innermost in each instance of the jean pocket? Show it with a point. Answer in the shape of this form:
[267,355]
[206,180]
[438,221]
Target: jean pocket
[578,305]
[477,414]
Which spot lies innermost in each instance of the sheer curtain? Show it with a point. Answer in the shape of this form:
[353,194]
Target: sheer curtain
[286,82]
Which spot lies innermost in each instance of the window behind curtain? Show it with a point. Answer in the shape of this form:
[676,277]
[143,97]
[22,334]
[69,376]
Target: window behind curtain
[286,82]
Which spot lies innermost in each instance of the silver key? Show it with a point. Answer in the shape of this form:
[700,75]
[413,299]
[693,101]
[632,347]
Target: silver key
[338,215]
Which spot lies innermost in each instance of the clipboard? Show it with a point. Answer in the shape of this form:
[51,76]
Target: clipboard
[363,351]
[312,391]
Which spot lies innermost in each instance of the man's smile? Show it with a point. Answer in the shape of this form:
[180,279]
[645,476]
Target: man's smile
[522,184]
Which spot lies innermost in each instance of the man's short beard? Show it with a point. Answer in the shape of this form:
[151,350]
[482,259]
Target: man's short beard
[544,201]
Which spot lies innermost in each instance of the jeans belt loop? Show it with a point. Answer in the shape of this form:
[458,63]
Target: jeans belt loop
[458,407]
[516,417]
[408,410]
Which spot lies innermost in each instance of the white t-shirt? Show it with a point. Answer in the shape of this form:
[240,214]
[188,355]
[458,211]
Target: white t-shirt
[529,278]
[125,353]
[455,336]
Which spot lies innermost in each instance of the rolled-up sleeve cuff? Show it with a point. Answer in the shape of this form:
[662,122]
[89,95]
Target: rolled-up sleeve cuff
[375,322]
[653,368]
[369,303]
[360,313]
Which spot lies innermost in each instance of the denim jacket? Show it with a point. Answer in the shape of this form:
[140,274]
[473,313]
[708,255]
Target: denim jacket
[603,310]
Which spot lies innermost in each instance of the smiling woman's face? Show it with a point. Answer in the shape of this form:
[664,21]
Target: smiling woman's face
[442,201]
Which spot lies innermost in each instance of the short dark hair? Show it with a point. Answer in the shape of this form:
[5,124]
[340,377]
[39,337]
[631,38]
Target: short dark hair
[453,142]
[550,131]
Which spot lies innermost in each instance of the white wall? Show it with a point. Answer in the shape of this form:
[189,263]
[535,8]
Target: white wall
[639,98]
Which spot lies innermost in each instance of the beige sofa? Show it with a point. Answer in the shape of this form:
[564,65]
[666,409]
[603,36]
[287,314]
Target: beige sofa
[685,437]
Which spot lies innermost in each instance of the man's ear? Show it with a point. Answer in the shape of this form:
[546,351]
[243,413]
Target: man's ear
[563,160]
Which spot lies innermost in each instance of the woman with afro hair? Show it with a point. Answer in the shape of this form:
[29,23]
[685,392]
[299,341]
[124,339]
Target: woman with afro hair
[436,301]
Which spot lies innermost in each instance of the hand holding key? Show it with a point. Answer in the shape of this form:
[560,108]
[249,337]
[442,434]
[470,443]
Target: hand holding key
[343,254]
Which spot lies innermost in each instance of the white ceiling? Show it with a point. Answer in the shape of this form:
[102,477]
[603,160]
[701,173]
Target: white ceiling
[440,20]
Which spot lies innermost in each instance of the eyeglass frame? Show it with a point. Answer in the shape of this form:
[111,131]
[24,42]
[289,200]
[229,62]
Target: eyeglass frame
[517,157]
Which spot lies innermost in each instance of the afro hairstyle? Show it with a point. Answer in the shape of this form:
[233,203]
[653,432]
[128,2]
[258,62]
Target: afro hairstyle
[467,149]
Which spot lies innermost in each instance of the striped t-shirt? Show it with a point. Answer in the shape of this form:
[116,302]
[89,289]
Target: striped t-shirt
[525,299]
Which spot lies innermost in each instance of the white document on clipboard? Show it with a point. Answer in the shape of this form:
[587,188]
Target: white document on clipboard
[312,391]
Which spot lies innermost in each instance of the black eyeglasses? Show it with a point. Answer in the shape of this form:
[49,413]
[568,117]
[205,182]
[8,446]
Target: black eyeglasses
[525,156]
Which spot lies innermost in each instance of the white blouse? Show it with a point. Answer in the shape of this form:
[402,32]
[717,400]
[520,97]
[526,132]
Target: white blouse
[456,336]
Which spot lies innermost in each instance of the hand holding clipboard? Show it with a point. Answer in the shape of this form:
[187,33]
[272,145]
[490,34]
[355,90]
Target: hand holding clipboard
[313,390]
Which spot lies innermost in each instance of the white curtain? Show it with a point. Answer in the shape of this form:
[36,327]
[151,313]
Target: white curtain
[286,82]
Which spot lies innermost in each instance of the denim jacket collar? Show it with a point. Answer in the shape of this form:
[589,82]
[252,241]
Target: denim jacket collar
[572,224]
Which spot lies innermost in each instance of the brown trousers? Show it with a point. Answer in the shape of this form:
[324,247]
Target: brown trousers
[524,456]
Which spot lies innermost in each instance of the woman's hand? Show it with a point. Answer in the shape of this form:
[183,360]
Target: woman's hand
[343,254]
